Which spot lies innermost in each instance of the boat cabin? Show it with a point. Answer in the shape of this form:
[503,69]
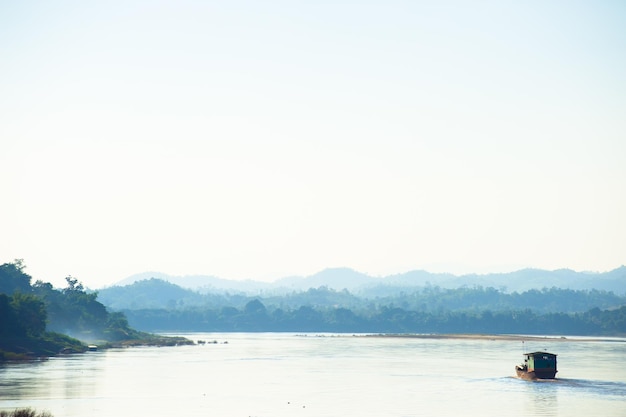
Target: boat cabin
[542,364]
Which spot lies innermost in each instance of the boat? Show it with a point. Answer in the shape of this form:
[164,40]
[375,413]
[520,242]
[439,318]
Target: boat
[537,365]
[92,348]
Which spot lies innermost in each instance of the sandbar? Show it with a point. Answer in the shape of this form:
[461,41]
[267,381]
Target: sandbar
[503,337]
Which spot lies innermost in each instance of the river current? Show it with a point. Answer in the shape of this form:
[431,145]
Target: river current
[318,375]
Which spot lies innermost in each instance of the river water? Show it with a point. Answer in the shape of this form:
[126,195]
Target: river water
[275,374]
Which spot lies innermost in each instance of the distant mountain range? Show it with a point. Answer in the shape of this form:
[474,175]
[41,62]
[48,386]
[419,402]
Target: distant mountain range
[359,283]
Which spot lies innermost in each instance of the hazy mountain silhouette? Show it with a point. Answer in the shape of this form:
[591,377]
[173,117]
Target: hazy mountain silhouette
[521,280]
[201,283]
[357,282]
[336,278]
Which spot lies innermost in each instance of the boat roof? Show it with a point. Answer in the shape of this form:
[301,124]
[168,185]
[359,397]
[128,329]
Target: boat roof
[539,353]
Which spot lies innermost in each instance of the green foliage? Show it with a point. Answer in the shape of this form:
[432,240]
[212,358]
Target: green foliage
[546,300]
[22,315]
[385,319]
[8,319]
[424,310]
[32,319]
[29,312]
[13,279]
[73,285]
[427,309]
[159,294]
[14,347]
[74,311]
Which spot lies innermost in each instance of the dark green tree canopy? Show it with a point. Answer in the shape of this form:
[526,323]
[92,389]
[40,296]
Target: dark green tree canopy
[29,311]
[13,278]
[30,314]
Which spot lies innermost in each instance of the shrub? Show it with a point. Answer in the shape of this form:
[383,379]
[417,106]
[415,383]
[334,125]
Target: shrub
[25,412]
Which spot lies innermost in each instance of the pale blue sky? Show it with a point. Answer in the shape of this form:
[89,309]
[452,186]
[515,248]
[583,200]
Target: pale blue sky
[264,139]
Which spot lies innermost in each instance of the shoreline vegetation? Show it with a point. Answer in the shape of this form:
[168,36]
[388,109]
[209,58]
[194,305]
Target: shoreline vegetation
[148,340]
[39,321]
[51,345]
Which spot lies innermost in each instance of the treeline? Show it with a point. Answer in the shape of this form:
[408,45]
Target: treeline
[73,311]
[255,316]
[159,294]
[545,300]
[157,305]
[32,317]
[35,319]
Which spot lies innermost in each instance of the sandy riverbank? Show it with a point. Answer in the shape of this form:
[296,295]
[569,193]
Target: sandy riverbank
[505,337]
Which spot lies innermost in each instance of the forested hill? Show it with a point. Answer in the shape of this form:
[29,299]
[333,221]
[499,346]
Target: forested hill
[155,305]
[29,311]
[158,294]
[36,319]
[366,285]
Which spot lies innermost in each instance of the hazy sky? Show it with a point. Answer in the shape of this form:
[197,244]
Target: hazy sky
[261,139]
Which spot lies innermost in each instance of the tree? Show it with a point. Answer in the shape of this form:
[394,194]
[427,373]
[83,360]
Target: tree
[73,285]
[255,307]
[8,321]
[30,313]
[117,327]
[13,278]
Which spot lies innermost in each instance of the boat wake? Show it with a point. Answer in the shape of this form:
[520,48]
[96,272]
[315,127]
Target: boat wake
[581,386]
[610,388]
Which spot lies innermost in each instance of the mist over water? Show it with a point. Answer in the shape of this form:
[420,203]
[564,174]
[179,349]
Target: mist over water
[272,374]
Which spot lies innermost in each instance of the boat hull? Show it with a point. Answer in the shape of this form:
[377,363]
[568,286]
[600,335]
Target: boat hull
[536,374]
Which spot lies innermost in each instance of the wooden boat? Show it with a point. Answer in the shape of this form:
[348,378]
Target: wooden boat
[537,365]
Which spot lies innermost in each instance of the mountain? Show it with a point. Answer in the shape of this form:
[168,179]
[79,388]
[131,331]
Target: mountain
[148,293]
[335,278]
[359,283]
[521,280]
[201,283]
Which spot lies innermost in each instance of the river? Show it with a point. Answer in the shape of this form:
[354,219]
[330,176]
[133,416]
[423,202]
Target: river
[276,374]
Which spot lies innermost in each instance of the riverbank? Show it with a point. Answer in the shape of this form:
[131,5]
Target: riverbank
[53,344]
[149,340]
[504,337]
[14,348]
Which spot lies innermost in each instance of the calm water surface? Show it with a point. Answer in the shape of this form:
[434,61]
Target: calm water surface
[269,375]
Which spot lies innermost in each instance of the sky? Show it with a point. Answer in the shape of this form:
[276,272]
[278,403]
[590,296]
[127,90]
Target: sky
[265,139]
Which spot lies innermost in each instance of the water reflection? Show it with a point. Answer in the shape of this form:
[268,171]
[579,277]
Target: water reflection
[55,378]
[78,378]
